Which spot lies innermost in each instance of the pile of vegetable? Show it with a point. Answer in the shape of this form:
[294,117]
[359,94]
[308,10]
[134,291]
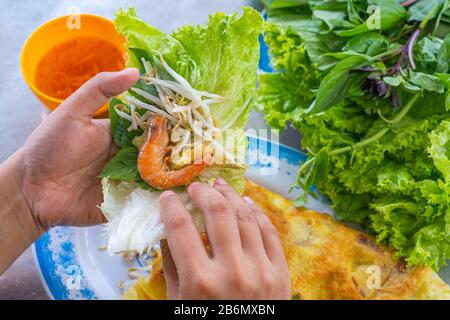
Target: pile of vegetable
[366,82]
[201,79]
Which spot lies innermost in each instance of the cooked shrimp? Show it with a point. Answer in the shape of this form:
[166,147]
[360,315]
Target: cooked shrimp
[152,159]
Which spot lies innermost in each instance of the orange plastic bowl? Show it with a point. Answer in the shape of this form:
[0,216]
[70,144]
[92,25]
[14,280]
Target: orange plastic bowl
[57,31]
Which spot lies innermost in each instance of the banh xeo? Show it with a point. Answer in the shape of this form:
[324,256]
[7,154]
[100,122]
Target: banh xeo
[367,85]
[183,120]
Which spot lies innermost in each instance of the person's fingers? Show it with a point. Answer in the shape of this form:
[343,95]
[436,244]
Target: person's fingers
[220,220]
[95,92]
[184,240]
[170,271]
[251,239]
[105,124]
[269,234]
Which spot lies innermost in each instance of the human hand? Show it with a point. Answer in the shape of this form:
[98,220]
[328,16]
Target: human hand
[58,166]
[246,260]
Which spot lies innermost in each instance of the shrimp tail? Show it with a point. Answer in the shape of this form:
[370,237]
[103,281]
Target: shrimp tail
[175,178]
[152,160]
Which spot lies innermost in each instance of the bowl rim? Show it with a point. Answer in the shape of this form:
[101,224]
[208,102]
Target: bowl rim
[25,45]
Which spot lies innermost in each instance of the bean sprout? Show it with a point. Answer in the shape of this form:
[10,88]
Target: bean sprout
[148,96]
[187,109]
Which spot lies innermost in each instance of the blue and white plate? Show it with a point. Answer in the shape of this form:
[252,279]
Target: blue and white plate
[71,261]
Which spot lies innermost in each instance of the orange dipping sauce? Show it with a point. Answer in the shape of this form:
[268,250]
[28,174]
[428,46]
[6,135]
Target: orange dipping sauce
[65,67]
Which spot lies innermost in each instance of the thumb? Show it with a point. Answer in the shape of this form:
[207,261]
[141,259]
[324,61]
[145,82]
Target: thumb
[98,90]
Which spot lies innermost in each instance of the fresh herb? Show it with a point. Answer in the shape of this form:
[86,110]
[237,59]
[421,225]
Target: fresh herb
[119,126]
[370,96]
[122,166]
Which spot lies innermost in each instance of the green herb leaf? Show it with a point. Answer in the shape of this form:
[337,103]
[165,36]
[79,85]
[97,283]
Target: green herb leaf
[316,170]
[336,85]
[396,185]
[425,54]
[370,44]
[390,14]
[443,56]
[279,4]
[426,81]
[445,78]
[123,166]
[393,81]
[421,9]
[119,125]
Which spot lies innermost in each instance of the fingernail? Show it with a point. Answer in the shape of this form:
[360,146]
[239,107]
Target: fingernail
[167,193]
[133,72]
[248,200]
[189,188]
[130,70]
[220,181]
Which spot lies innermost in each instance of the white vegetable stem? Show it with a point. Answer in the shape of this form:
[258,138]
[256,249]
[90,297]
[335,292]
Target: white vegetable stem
[187,109]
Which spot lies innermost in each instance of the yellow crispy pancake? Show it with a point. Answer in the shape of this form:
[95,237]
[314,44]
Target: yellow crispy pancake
[327,260]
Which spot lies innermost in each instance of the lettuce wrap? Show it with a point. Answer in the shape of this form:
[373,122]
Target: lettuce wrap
[218,61]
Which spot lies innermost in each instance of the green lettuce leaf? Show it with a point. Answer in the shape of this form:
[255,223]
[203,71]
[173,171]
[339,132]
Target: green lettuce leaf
[219,57]
[439,149]
[284,96]
[234,176]
[225,54]
[142,35]
[381,164]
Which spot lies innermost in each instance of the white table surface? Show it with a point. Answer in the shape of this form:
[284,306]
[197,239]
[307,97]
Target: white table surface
[21,112]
